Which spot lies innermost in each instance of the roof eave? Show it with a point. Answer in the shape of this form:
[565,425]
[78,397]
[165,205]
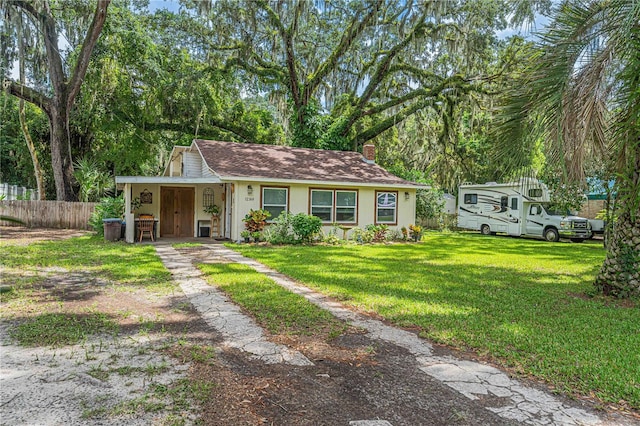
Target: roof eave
[410,185]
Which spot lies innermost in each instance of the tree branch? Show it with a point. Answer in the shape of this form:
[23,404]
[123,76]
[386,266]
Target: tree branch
[89,43]
[287,39]
[28,94]
[352,32]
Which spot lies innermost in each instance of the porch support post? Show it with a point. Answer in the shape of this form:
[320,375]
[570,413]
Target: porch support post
[129,217]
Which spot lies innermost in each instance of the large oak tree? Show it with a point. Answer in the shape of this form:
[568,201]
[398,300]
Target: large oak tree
[56,95]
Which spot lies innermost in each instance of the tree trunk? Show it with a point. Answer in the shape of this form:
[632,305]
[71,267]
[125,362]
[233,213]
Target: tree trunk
[61,152]
[37,169]
[620,272]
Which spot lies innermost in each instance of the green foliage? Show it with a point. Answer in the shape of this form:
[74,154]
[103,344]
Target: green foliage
[524,303]
[566,197]
[305,226]
[256,220]
[16,166]
[362,236]
[94,183]
[280,231]
[429,201]
[379,232]
[109,207]
[212,209]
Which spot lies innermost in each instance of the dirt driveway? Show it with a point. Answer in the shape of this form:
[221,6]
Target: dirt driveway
[167,366]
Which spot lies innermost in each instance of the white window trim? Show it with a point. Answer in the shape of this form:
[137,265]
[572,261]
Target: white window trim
[395,208]
[286,203]
[354,207]
[332,206]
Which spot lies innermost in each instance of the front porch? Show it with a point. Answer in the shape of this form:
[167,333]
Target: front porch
[177,205]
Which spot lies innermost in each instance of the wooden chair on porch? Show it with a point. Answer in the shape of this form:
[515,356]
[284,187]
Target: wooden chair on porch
[145,224]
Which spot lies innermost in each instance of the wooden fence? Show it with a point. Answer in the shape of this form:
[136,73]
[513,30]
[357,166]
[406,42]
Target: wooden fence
[48,214]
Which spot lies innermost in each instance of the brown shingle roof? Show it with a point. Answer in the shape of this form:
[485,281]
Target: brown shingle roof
[231,159]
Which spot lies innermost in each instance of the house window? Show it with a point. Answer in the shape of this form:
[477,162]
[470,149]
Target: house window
[322,204]
[334,205]
[386,207]
[275,201]
[471,198]
[346,203]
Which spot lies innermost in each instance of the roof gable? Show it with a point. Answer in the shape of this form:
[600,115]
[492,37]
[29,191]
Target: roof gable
[242,160]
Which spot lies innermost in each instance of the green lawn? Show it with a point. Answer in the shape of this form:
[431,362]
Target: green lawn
[276,309]
[124,264]
[524,303]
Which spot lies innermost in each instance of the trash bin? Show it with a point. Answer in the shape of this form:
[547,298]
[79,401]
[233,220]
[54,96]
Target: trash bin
[112,228]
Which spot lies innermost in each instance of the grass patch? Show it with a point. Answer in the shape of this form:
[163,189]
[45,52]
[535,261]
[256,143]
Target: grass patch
[523,302]
[60,329]
[276,309]
[134,265]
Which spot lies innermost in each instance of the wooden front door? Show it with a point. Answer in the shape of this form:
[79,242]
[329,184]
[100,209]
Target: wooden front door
[176,212]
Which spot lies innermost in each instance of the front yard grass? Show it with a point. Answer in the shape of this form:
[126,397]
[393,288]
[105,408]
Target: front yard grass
[276,309]
[128,265]
[526,304]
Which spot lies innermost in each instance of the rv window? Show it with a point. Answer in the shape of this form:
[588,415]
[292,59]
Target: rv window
[514,204]
[535,193]
[504,202]
[471,198]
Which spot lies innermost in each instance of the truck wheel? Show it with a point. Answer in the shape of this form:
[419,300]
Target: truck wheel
[551,235]
[485,230]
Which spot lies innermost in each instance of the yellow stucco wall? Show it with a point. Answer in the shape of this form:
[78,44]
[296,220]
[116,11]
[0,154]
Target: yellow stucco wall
[299,203]
[241,201]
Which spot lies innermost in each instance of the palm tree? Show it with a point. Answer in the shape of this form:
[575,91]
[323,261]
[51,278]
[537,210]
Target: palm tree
[581,99]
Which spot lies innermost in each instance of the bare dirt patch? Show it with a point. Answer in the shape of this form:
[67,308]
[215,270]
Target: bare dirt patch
[19,235]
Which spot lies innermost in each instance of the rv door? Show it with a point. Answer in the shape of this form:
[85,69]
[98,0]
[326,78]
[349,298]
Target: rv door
[515,223]
[534,223]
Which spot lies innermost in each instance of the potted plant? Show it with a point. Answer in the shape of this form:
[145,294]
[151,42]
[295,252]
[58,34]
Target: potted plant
[245,234]
[256,220]
[257,235]
[135,204]
[213,210]
[416,232]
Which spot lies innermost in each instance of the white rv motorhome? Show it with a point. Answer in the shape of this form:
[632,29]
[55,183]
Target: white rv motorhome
[518,209]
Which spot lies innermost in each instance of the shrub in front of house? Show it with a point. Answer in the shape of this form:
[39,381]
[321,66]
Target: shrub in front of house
[280,231]
[379,232]
[305,226]
[256,220]
[362,236]
[107,208]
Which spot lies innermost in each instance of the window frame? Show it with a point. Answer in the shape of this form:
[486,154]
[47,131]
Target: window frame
[534,192]
[472,198]
[262,205]
[334,204]
[395,209]
[331,207]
